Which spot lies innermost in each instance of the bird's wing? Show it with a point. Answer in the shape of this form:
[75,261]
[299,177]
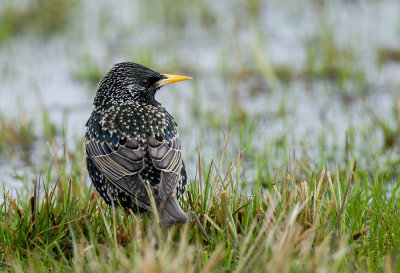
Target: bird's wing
[166,156]
[166,153]
[121,163]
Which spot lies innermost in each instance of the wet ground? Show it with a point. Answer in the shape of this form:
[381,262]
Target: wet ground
[296,72]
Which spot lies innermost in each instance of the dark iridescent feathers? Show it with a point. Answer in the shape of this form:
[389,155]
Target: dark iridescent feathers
[132,143]
[127,82]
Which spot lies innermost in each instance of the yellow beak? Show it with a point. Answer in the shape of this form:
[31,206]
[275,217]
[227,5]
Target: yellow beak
[167,79]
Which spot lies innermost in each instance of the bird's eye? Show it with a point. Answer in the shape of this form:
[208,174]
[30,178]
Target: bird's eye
[144,82]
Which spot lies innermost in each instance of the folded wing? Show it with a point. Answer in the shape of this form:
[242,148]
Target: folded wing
[167,157]
[120,161]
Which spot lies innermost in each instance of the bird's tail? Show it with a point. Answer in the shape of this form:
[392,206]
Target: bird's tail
[170,213]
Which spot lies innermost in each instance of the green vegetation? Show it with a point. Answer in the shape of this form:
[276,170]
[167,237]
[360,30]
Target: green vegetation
[39,17]
[16,134]
[325,60]
[297,219]
[274,186]
[19,135]
[89,72]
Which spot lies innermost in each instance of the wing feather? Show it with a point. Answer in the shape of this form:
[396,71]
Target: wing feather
[121,164]
[166,156]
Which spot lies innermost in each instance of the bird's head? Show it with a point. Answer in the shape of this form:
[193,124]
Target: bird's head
[131,82]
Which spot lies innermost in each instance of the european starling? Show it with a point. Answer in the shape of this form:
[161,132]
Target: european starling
[132,143]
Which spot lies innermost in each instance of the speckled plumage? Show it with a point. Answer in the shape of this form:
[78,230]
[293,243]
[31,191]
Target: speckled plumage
[132,141]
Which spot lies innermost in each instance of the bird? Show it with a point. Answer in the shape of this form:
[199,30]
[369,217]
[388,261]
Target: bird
[132,144]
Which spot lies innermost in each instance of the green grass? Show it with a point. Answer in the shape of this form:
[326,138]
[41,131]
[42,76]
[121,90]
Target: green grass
[325,60]
[282,203]
[16,135]
[342,219]
[39,17]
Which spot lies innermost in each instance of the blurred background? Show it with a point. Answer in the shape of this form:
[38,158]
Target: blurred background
[314,80]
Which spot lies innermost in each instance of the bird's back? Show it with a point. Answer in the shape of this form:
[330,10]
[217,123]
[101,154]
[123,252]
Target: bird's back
[132,144]
[118,124]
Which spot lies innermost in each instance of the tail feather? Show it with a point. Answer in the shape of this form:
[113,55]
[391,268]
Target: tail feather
[171,213]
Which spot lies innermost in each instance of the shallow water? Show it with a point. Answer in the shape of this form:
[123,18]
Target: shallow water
[39,73]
